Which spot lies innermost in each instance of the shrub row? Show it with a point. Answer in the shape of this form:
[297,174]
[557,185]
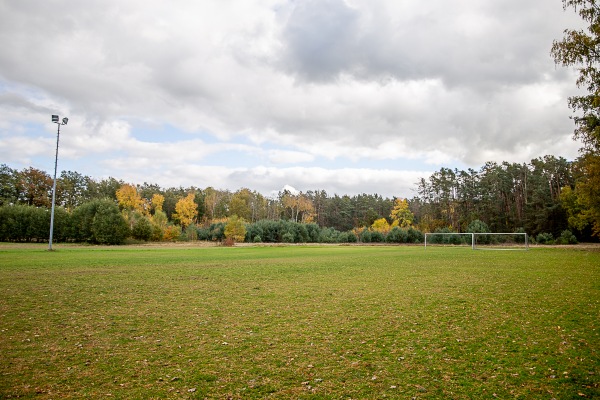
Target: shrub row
[98,221]
[284,231]
[566,237]
[101,222]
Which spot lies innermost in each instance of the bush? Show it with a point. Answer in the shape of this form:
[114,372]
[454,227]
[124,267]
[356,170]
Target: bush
[346,237]
[191,233]
[253,231]
[377,237]
[441,239]
[328,235]
[29,223]
[520,238]
[172,233]
[414,236]
[313,230]
[99,221]
[288,238]
[544,238]
[108,225]
[217,231]
[397,235]
[157,233]
[566,237]
[365,236]
[268,230]
[142,229]
[203,233]
[456,239]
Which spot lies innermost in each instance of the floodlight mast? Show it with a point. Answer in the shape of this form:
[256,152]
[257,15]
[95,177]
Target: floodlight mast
[55,119]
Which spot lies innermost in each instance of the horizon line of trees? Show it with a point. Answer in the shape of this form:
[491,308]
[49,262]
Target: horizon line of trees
[533,197]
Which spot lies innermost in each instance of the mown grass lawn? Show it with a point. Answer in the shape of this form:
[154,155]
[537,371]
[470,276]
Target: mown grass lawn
[331,322]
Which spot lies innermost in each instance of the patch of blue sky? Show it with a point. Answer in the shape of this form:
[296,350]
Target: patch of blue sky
[383,164]
[233,159]
[35,129]
[297,157]
[165,133]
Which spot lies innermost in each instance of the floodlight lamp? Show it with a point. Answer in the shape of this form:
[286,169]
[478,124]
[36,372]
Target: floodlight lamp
[55,118]
[65,120]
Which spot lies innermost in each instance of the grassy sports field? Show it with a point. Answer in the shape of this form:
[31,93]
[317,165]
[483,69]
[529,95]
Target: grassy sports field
[330,322]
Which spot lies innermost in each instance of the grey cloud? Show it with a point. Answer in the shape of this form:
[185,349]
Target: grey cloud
[485,44]
[335,79]
[321,38]
[16,100]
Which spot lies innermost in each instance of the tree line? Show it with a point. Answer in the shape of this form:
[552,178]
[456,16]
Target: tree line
[533,197]
[548,198]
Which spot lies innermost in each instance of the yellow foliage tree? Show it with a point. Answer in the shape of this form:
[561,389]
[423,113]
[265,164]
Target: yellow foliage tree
[186,210]
[381,225]
[583,203]
[172,233]
[235,229]
[240,204]
[299,206]
[129,198]
[157,202]
[402,213]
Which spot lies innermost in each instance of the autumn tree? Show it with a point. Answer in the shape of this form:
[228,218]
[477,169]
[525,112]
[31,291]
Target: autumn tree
[581,49]
[240,204]
[401,213]
[381,225]
[157,202]
[299,206]
[215,203]
[582,203]
[235,229]
[186,210]
[35,187]
[129,198]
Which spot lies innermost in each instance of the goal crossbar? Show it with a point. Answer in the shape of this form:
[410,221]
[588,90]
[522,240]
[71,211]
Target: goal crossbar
[475,235]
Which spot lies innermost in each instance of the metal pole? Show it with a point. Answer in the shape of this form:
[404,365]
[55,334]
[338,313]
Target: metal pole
[54,190]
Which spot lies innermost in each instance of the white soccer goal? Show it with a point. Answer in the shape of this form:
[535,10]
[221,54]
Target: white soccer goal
[479,241]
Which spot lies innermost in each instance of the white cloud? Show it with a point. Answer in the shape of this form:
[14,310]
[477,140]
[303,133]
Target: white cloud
[269,93]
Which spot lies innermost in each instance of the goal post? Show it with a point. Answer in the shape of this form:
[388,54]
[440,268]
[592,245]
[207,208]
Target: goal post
[480,240]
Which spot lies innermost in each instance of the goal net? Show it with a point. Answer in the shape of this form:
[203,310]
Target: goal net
[500,241]
[479,241]
[450,239]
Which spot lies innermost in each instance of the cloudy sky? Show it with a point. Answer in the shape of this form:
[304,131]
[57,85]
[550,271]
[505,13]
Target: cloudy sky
[348,96]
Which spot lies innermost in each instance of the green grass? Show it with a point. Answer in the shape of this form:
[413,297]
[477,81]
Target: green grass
[298,322]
